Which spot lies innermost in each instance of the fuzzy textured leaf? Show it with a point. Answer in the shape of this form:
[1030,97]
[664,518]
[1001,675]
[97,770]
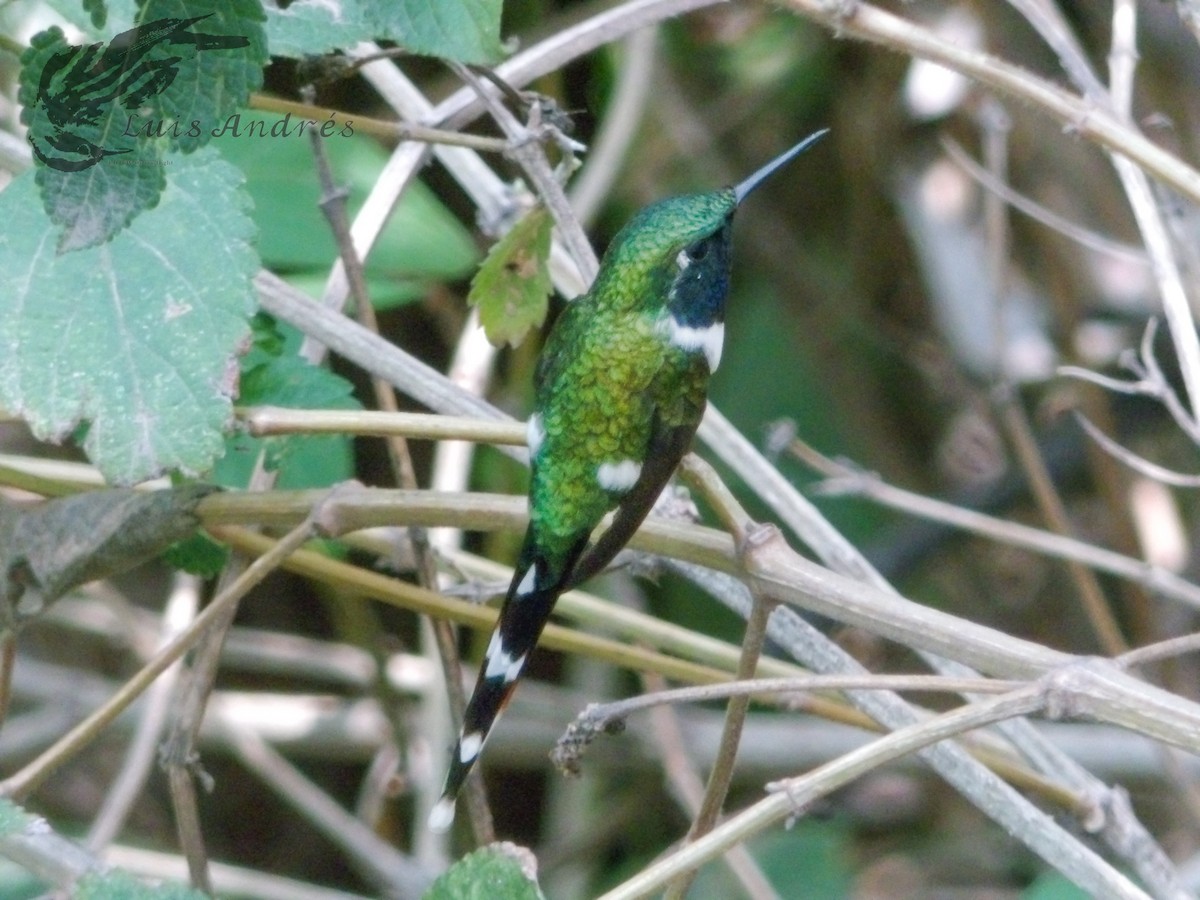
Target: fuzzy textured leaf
[97,12]
[273,374]
[512,287]
[464,30]
[211,84]
[100,114]
[422,242]
[94,177]
[500,871]
[62,543]
[139,336]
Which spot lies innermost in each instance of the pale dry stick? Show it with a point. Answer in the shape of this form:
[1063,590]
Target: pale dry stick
[334,206]
[262,421]
[618,125]
[1135,705]
[1159,650]
[992,795]
[597,717]
[1081,115]
[792,795]
[178,755]
[845,479]
[1110,814]
[721,774]
[1053,510]
[1150,381]
[684,783]
[139,760]
[372,353]
[229,880]
[381,128]
[780,572]
[1131,460]
[34,773]
[529,154]
[391,871]
[745,532]
[1047,19]
[470,370]
[1079,234]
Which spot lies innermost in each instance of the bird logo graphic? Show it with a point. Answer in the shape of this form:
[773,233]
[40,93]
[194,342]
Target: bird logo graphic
[72,112]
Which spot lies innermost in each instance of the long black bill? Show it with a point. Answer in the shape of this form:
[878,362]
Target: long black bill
[743,190]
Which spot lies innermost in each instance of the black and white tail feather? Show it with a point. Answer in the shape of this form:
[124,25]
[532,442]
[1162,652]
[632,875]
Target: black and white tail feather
[536,585]
[537,582]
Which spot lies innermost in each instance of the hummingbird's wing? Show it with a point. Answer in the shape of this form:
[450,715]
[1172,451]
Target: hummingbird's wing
[665,449]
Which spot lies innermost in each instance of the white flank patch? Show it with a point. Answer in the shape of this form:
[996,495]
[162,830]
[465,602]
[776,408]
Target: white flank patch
[513,672]
[534,434]
[709,339]
[620,476]
[527,583]
[441,817]
[469,747]
[501,664]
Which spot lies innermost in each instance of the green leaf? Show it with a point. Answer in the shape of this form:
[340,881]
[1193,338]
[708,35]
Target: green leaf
[198,555]
[500,871]
[210,84]
[97,12]
[13,819]
[94,177]
[100,114]
[465,30]
[48,549]
[810,860]
[138,336]
[118,885]
[274,375]
[1053,886]
[423,242]
[512,287]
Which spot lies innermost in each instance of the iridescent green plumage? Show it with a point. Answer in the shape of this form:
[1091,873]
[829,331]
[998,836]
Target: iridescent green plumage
[620,390]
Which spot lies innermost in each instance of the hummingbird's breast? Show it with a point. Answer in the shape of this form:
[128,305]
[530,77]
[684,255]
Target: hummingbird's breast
[595,415]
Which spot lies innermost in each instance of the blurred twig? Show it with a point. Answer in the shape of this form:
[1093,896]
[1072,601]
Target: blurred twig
[792,795]
[846,479]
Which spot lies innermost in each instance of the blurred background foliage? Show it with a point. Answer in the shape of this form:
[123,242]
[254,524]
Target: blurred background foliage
[864,314]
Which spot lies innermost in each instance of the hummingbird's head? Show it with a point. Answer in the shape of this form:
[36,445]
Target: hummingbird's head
[677,252]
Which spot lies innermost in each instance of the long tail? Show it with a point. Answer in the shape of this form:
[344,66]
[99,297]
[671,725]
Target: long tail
[536,585]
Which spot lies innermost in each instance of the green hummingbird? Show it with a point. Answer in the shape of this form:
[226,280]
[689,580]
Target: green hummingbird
[620,389]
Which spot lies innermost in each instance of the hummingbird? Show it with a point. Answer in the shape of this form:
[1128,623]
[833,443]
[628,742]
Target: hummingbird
[620,388]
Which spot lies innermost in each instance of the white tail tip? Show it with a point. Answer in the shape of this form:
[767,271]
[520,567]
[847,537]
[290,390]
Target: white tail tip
[441,817]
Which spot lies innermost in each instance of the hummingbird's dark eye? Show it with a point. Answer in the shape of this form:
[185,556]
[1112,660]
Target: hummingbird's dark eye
[697,252]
